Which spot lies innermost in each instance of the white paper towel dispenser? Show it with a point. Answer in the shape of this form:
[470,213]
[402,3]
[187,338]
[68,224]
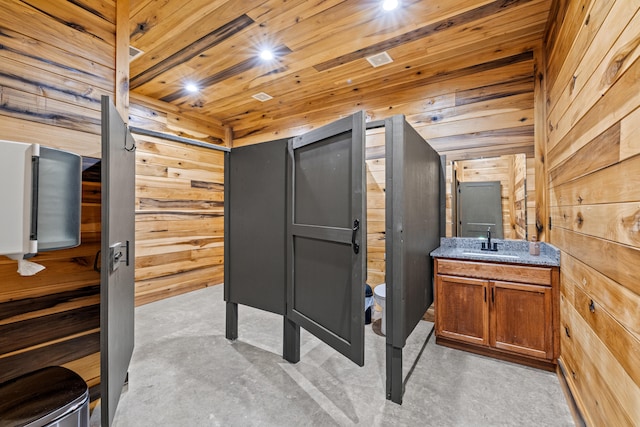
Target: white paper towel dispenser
[41,196]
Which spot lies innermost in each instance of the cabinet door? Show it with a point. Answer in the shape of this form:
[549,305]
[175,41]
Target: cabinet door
[461,309]
[521,319]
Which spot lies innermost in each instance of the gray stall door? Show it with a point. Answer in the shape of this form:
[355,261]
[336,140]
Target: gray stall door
[327,235]
[117,260]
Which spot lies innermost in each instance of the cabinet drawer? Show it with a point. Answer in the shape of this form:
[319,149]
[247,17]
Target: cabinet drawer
[485,270]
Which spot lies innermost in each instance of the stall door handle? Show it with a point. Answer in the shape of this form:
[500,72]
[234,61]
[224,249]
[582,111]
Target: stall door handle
[354,231]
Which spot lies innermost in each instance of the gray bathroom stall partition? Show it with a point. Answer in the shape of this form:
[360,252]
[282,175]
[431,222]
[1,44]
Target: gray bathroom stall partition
[117,258]
[255,224]
[321,203]
[312,182]
[326,245]
[412,230]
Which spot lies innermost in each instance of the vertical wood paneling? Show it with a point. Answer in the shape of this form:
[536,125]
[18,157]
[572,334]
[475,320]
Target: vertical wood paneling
[539,219]
[121,95]
[594,199]
[519,219]
[532,197]
[56,60]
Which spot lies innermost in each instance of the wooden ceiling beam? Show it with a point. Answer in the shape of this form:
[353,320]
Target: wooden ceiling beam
[225,74]
[212,39]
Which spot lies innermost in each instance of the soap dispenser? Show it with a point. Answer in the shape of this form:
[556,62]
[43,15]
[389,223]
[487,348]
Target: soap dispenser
[534,246]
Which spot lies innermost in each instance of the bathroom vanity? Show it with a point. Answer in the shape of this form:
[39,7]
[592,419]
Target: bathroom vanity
[502,304]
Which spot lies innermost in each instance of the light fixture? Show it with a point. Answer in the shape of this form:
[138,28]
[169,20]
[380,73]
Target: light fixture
[389,4]
[191,87]
[266,55]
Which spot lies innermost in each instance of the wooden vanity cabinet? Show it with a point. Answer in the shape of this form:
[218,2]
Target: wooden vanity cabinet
[501,310]
[461,310]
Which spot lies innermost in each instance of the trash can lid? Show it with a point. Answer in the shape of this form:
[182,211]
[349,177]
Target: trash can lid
[43,395]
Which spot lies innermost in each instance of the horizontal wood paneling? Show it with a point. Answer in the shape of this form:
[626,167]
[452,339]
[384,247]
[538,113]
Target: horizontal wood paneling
[54,317]
[150,114]
[56,60]
[50,353]
[179,207]
[376,184]
[594,200]
[460,67]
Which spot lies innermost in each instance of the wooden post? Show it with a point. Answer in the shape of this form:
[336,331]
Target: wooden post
[228,136]
[121,89]
[540,144]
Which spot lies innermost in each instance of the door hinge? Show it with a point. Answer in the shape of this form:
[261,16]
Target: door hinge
[549,223]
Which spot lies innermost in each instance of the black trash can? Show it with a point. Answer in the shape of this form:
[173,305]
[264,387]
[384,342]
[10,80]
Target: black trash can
[52,396]
[368,303]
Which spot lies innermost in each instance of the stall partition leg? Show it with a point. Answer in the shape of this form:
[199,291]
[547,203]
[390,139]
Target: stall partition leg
[232,321]
[291,341]
[394,374]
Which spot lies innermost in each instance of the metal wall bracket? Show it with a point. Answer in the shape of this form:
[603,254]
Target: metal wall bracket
[118,253]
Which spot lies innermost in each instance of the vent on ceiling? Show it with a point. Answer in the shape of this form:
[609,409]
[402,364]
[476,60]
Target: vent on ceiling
[134,53]
[379,59]
[262,96]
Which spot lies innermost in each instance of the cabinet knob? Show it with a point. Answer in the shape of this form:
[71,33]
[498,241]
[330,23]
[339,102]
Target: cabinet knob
[592,306]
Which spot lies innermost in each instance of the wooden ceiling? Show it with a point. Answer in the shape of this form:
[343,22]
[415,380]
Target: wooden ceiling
[320,72]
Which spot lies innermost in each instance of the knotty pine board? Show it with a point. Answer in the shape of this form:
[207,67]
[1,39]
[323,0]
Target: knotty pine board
[518,67]
[54,317]
[179,206]
[597,41]
[296,64]
[594,200]
[375,170]
[53,30]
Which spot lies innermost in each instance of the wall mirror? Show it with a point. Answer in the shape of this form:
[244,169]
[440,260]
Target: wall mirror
[493,192]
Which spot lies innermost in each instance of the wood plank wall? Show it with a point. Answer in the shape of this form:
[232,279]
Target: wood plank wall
[531,198]
[179,203]
[517,178]
[487,114]
[593,154]
[56,60]
[466,111]
[376,196]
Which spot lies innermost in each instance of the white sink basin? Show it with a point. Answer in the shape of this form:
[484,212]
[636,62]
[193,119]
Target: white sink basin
[491,254]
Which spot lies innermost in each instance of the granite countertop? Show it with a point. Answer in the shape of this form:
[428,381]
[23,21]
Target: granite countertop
[509,251]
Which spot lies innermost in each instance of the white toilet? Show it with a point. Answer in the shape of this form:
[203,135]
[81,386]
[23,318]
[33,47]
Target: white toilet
[380,295]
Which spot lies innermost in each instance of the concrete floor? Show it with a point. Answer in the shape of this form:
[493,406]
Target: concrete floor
[184,372]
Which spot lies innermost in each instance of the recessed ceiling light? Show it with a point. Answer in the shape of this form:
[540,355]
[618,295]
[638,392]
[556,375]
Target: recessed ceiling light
[191,87]
[266,55]
[389,4]
[262,96]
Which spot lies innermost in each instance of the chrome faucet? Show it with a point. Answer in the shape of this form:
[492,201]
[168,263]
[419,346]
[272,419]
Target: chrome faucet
[486,246]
